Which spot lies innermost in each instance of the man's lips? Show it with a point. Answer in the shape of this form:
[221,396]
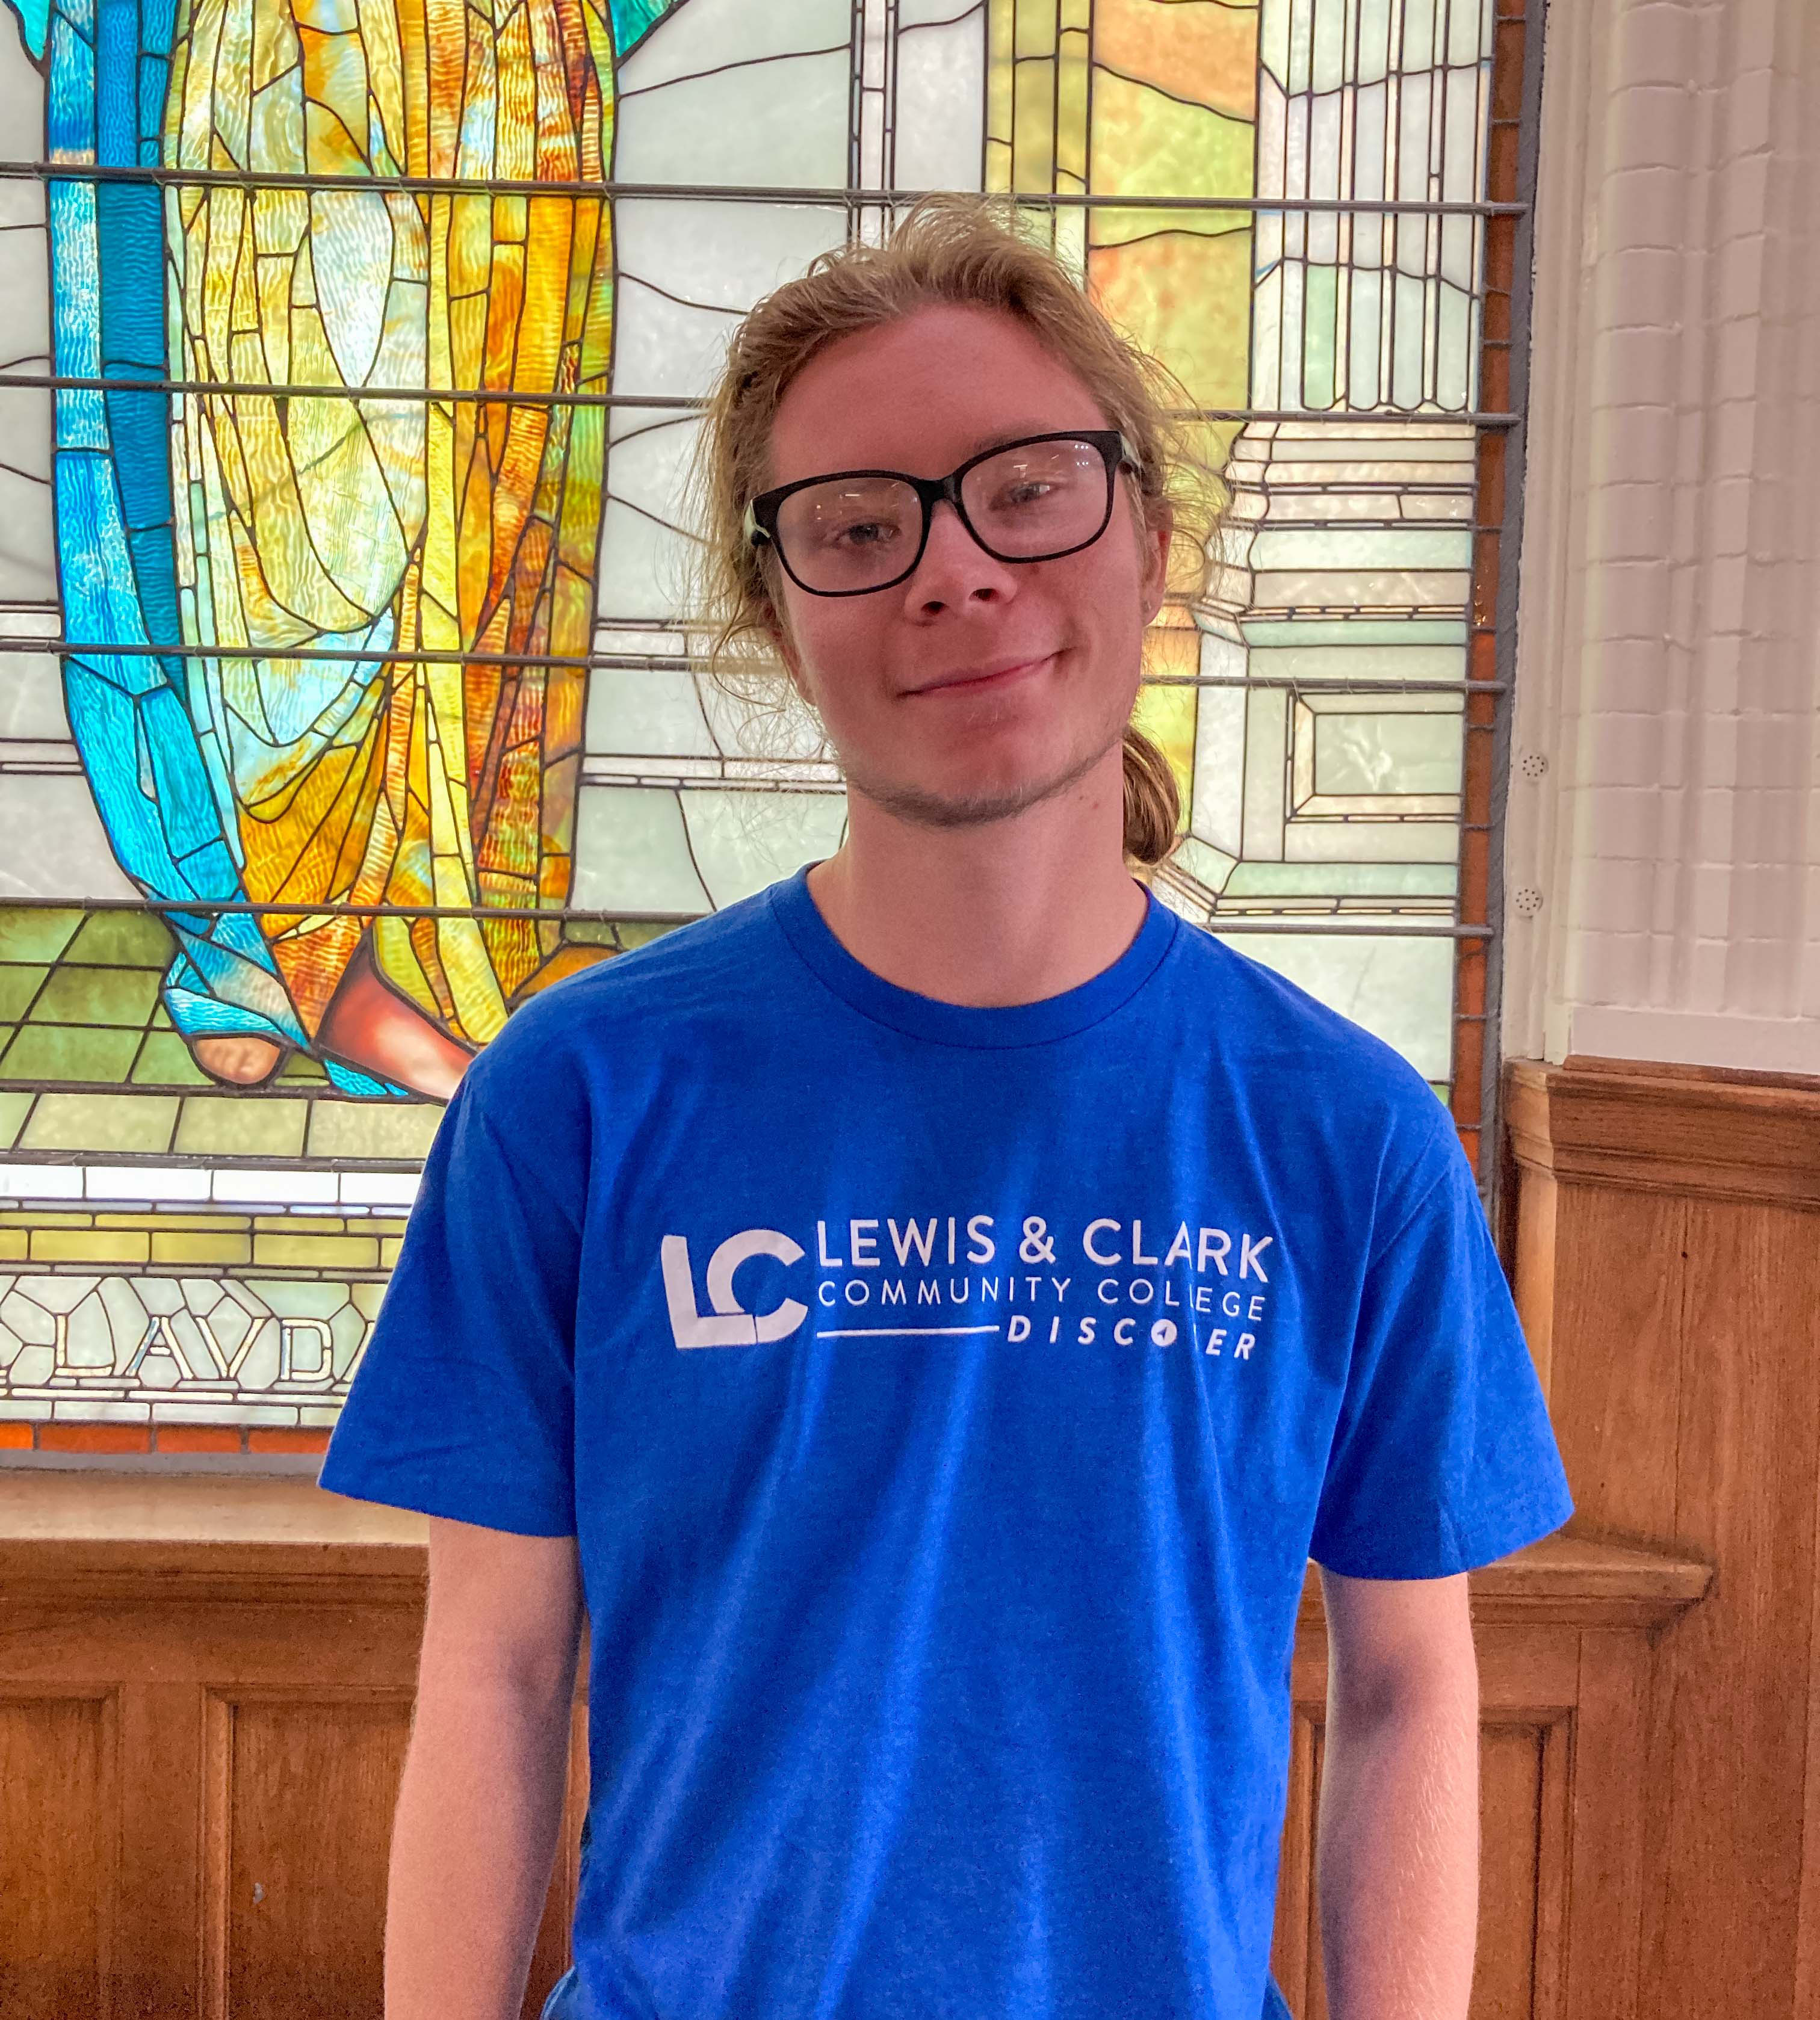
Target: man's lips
[977,680]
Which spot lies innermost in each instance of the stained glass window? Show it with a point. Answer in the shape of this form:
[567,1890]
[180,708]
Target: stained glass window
[350,355]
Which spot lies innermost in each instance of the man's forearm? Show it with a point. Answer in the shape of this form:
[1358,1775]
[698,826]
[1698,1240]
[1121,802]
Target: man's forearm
[473,1842]
[1398,1857]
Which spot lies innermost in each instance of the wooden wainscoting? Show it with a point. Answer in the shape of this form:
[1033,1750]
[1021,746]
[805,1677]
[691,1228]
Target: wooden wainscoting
[205,1698]
[1667,1262]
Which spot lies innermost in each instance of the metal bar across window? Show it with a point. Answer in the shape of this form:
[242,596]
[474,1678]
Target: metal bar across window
[831,197]
[670,662]
[512,396]
[554,914]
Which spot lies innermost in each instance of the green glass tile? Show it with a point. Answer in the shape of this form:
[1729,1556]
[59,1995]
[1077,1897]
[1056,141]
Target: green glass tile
[14,1108]
[591,932]
[97,996]
[300,1067]
[373,1128]
[18,986]
[1211,866]
[241,1125]
[164,1061]
[1344,879]
[161,1019]
[1320,313]
[29,933]
[636,932]
[100,1122]
[124,939]
[1355,631]
[55,1052]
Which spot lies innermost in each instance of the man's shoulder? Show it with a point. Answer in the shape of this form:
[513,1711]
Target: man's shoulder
[1261,1009]
[644,996]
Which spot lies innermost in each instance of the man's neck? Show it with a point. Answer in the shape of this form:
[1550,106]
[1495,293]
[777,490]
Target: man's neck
[1010,913]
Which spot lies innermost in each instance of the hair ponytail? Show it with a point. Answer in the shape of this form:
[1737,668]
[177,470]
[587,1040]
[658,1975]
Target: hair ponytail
[1152,803]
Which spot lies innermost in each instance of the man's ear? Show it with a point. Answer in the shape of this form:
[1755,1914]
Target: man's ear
[1158,536]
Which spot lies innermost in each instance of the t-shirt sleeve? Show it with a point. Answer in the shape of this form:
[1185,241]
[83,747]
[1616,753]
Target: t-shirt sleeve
[1443,1456]
[463,1404]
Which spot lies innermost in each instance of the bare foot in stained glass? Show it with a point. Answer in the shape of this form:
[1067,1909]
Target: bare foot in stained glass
[371,1027]
[244,1060]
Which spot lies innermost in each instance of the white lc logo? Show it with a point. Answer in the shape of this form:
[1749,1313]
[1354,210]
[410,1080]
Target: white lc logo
[729,1323]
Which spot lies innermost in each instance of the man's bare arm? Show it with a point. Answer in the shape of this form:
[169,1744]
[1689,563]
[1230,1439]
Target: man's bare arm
[1398,1844]
[474,1836]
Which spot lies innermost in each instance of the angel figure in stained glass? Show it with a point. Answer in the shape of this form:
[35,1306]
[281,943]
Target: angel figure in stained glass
[331,643]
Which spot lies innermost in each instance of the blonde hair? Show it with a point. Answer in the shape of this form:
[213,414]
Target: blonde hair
[948,249]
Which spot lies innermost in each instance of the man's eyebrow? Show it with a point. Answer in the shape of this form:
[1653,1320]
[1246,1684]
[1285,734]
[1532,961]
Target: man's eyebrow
[1012,432]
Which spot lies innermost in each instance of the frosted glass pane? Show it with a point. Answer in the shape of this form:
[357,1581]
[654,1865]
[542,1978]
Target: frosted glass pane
[1459,261]
[664,345]
[1344,661]
[52,842]
[1318,631]
[784,126]
[1400,990]
[940,133]
[1362,547]
[31,697]
[1377,20]
[1265,783]
[733,35]
[744,840]
[757,731]
[644,557]
[1366,175]
[631,852]
[1388,753]
[27,563]
[1472,31]
[1415,101]
[1460,173]
[1343,880]
[646,712]
[1211,867]
[1455,348]
[21,111]
[1371,841]
[27,558]
[722,255]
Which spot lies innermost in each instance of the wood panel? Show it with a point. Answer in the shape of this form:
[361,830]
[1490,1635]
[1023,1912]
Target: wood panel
[1525,1837]
[57,1785]
[1668,1249]
[299,1825]
[266,1735]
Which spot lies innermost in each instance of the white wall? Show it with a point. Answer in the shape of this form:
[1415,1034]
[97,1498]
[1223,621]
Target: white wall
[1669,659]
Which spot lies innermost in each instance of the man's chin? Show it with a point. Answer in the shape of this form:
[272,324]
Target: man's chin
[978,804]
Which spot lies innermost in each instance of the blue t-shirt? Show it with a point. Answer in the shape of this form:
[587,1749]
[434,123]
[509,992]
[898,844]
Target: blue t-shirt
[947,1401]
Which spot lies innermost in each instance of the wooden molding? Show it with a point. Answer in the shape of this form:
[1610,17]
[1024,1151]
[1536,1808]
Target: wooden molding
[1704,1130]
[70,1537]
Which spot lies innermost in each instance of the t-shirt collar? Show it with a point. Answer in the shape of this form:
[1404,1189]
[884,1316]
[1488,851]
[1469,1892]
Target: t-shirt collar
[967,1024]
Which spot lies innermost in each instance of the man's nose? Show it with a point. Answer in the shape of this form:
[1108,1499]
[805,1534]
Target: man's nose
[954,567]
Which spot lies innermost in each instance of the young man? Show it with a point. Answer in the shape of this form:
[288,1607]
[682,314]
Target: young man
[933,1309]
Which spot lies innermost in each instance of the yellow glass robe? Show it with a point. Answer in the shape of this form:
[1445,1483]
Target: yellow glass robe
[447,527]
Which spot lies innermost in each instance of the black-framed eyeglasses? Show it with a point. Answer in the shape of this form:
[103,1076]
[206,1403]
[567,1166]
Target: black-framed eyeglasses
[854,530]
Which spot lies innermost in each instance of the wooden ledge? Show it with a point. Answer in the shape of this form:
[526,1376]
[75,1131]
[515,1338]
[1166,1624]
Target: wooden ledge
[85,1536]
[203,1537]
[1709,1130]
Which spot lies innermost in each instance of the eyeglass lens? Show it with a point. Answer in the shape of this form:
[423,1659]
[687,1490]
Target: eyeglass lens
[1031,500]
